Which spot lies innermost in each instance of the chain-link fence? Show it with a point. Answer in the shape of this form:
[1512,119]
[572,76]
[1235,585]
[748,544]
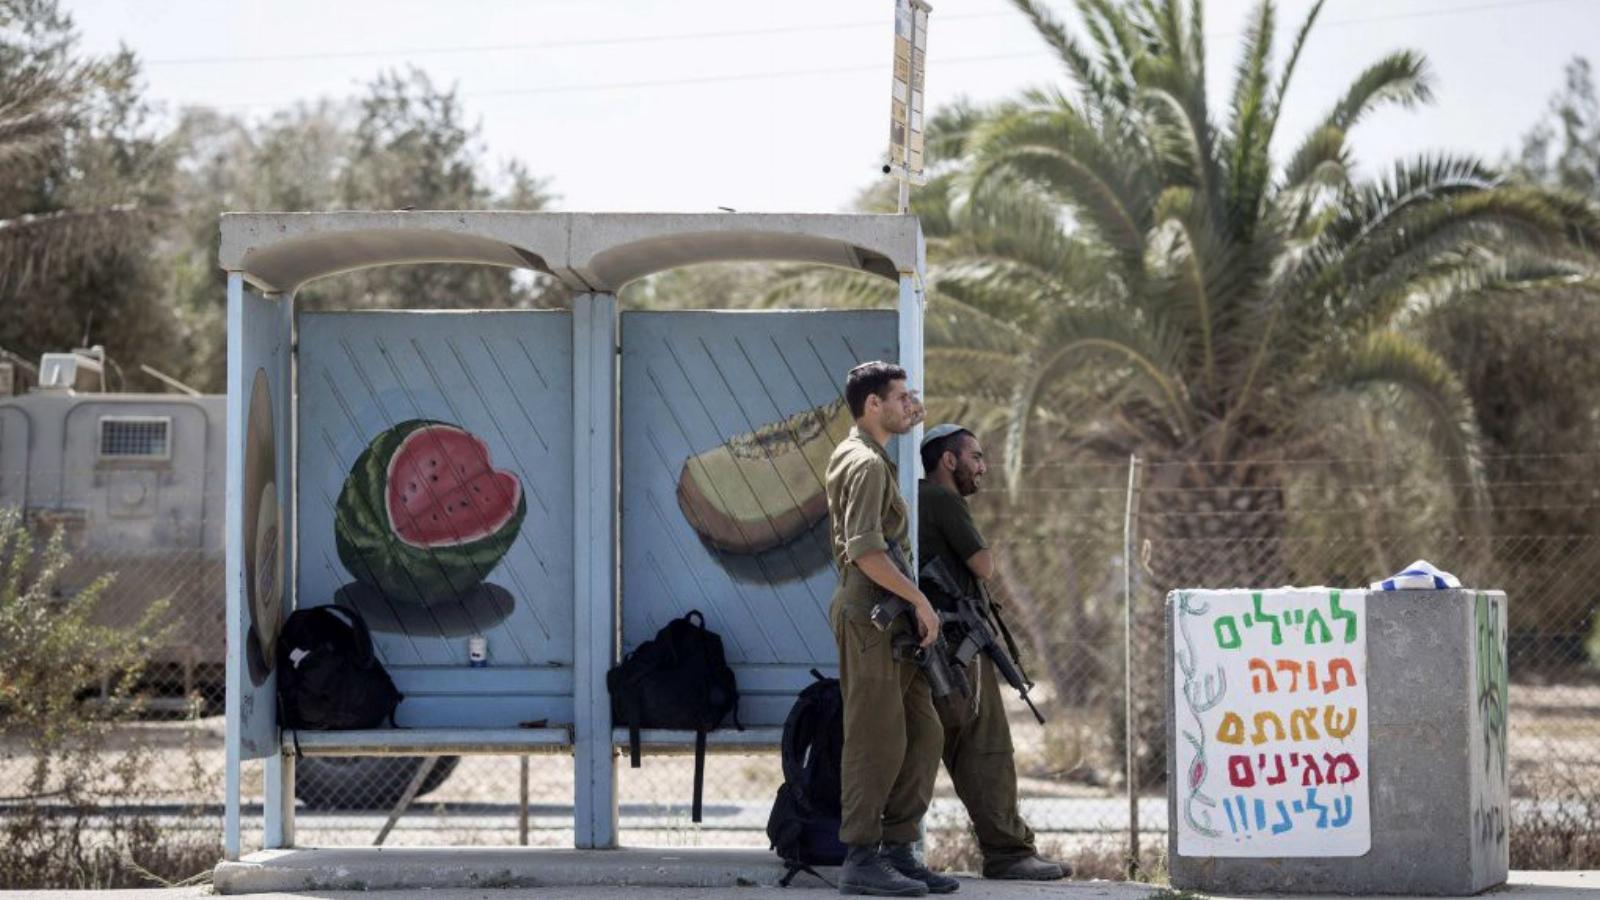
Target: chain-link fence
[1061,541]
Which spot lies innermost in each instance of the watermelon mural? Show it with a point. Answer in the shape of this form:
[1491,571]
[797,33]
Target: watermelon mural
[424,516]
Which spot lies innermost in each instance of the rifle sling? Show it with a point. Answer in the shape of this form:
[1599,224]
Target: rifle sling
[1011,643]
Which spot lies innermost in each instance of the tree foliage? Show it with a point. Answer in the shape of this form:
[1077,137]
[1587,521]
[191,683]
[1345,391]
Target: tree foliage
[1563,149]
[108,225]
[1217,299]
[84,185]
[404,145]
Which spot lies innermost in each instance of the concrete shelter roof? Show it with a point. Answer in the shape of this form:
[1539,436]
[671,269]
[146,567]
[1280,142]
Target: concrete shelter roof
[280,252]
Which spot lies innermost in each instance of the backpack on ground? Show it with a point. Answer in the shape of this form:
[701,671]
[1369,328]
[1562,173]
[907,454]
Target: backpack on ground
[328,676]
[804,824]
[678,680]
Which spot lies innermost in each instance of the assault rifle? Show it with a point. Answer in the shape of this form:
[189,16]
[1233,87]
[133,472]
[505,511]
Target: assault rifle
[937,661]
[973,632]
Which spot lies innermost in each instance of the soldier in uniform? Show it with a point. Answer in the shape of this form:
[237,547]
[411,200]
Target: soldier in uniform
[977,740]
[892,733]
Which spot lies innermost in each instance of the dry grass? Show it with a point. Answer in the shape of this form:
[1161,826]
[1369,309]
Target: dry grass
[64,851]
[1093,858]
[1561,834]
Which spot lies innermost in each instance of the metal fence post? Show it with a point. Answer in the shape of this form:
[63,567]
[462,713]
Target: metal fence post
[1130,732]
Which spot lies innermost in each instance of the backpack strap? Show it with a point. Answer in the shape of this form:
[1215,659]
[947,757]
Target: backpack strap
[795,868]
[365,656]
[630,706]
[699,771]
[283,722]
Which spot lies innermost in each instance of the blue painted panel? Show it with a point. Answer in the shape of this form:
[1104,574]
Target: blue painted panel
[503,377]
[258,498]
[698,381]
[442,680]
[506,710]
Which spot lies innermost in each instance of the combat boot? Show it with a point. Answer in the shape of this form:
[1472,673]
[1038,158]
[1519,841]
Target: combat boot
[905,862]
[1028,868]
[867,872]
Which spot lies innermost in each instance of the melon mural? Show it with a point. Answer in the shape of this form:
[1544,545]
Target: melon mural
[424,516]
[263,523]
[759,496]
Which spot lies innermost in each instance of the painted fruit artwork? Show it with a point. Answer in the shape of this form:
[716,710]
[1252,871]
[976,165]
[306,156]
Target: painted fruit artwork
[263,523]
[762,490]
[424,516]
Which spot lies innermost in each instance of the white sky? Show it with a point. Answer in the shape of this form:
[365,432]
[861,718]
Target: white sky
[631,115]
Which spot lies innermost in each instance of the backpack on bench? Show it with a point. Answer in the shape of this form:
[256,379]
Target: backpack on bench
[678,680]
[328,676]
[804,824]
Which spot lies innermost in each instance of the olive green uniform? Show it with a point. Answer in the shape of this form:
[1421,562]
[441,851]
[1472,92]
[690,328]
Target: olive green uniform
[977,745]
[892,733]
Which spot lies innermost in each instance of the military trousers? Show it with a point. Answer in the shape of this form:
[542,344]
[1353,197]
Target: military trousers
[980,758]
[892,736]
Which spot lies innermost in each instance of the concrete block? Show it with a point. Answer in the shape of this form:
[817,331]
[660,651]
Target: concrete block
[1437,694]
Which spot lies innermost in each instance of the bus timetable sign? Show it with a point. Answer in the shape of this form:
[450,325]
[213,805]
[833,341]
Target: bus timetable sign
[905,112]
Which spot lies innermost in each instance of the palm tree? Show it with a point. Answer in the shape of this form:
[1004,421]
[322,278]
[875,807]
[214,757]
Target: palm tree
[1214,303]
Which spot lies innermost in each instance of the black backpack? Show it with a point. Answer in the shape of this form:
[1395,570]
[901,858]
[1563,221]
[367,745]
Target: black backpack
[678,680]
[804,824]
[328,676]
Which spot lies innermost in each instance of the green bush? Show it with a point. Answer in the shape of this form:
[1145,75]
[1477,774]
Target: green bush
[62,826]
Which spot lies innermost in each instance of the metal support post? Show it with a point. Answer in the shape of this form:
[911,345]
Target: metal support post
[594,454]
[232,743]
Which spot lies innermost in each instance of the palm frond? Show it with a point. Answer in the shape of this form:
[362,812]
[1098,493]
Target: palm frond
[1179,259]
[1079,338]
[1012,219]
[1480,271]
[26,136]
[805,287]
[950,129]
[1365,211]
[1180,134]
[1120,48]
[1373,278]
[951,322]
[1249,166]
[1321,160]
[1078,62]
[1006,289]
[1401,78]
[36,109]
[1289,66]
[1392,361]
[1197,41]
[39,245]
[1057,150]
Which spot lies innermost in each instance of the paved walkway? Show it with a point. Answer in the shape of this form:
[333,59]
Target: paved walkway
[1523,886]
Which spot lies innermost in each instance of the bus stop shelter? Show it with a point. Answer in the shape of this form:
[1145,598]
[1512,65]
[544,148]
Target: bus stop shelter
[614,468]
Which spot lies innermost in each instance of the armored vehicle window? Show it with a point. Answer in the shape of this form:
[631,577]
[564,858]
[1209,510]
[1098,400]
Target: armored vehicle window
[135,437]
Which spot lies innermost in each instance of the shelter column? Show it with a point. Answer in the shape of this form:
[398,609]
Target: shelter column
[911,303]
[594,484]
[278,787]
[233,753]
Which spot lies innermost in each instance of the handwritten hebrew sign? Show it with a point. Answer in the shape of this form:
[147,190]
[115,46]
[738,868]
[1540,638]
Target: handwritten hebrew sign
[1270,693]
